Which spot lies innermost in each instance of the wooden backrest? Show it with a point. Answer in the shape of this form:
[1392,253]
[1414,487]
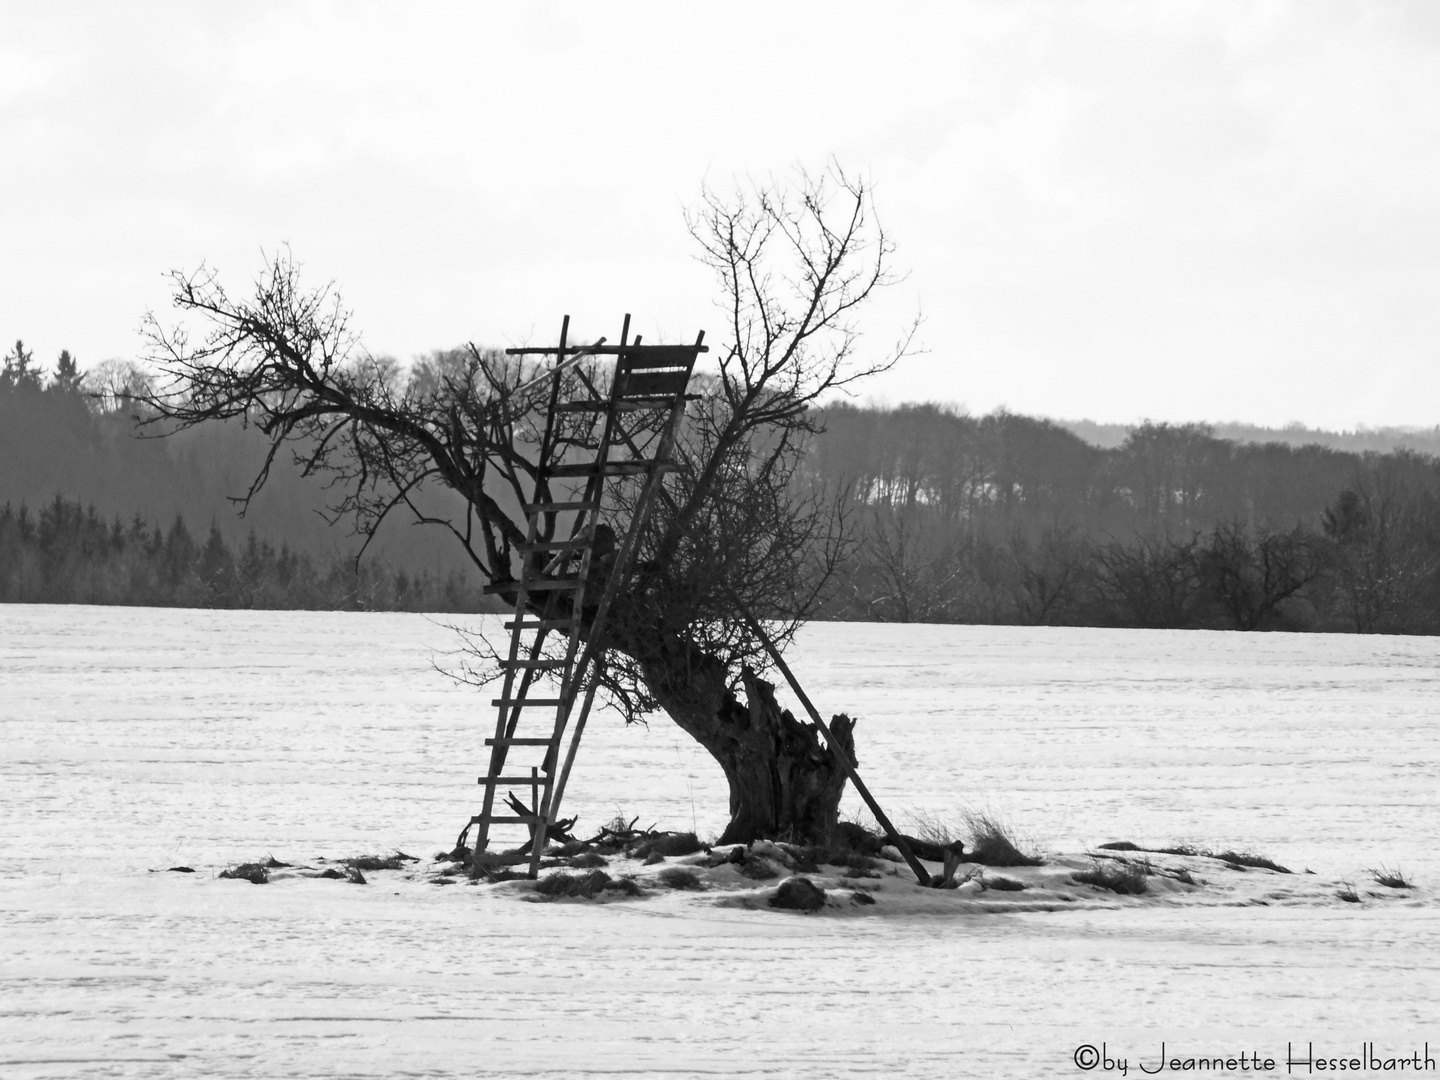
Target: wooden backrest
[654,371]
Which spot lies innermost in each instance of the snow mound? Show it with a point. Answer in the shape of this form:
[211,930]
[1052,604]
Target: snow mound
[756,876]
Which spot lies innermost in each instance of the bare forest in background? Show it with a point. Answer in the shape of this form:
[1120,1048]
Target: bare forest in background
[955,518]
[1009,519]
[90,513]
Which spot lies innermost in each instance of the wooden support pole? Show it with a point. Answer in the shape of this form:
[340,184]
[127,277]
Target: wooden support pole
[921,874]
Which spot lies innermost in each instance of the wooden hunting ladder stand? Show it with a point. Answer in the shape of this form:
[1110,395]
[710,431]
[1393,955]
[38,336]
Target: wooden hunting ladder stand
[562,569]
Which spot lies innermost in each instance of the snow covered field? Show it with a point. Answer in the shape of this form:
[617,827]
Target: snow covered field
[132,740]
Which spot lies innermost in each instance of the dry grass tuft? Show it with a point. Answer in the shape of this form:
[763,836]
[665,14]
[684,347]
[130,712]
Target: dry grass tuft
[253,872]
[757,868]
[680,877]
[933,829]
[992,842]
[564,884]
[378,862]
[627,885]
[1119,876]
[1347,893]
[799,894]
[1236,860]
[1391,879]
[1249,859]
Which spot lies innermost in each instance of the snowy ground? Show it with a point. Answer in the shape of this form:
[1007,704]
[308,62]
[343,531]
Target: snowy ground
[131,741]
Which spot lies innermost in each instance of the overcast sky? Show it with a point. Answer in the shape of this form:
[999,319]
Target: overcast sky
[1107,210]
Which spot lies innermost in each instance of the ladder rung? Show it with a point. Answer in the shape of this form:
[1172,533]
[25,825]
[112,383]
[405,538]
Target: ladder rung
[554,584]
[534,665]
[538,585]
[519,742]
[543,780]
[557,507]
[541,624]
[536,701]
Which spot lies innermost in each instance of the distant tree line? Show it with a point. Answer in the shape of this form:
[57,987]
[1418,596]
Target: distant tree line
[68,447]
[71,432]
[992,519]
[1009,519]
[68,554]
[1380,440]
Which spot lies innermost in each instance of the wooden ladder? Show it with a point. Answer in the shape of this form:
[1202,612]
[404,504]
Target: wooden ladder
[559,577]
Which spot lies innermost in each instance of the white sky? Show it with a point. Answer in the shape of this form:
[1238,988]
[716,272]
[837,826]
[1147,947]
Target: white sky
[1114,210]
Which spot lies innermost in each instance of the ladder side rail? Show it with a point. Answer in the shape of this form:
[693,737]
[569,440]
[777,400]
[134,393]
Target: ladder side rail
[522,599]
[546,791]
[586,521]
[542,491]
[589,523]
[504,724]
[532,527]
[594,488]
[547,813]
[527,679]
[654,482]
[508,716]
[542,463]
[617,573]
[546,440]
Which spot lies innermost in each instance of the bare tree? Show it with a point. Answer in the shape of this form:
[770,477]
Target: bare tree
[1049,575]
[795,263]
[1382,545]
[1252,574]
[1153,582]
[911,570]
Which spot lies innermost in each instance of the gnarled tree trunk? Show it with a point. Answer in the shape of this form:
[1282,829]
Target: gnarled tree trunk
[784,779]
